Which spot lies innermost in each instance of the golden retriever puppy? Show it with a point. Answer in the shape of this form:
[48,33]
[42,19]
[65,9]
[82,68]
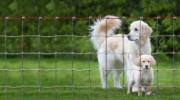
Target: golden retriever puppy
[142,76]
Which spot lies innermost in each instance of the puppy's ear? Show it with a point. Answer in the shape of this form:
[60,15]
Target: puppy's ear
[138,61]
[153,61]
[147,30]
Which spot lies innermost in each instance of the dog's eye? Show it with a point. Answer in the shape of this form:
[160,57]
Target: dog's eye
[136,29]
[148,61]
[143,61]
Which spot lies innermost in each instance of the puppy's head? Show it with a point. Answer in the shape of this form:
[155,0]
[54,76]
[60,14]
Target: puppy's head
[145,61]
[137,29]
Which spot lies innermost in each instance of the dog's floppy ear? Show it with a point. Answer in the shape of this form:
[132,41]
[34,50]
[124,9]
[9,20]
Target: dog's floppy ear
[138,61]
[147,29]
[153,61]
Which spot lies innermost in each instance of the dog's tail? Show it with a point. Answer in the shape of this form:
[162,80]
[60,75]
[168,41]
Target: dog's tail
[103,27]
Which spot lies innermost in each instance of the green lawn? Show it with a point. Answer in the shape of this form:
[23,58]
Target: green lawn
[86,82]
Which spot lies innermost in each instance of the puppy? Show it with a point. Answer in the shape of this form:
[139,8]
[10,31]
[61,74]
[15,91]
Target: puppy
[111,47]
[142,76]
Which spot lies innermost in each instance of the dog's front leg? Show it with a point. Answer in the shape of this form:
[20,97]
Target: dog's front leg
[139,89]
[130,84]
[149,91]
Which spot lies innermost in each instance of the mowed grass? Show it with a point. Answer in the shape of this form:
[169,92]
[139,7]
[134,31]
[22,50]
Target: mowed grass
[82,83]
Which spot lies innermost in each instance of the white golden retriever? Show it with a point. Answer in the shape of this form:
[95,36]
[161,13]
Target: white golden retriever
[111,48]
[142,76]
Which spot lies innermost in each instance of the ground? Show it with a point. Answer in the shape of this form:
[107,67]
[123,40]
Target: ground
[80,84]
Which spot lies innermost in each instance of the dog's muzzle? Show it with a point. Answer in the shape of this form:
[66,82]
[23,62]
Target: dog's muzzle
[129,38]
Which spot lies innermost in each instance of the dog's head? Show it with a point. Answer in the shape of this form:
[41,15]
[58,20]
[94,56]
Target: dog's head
[145,61]
[139,29]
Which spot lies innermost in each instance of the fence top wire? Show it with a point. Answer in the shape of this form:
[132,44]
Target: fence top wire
[83,18]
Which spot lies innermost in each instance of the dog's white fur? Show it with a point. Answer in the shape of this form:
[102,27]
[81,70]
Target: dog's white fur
[110,47]
[142,75]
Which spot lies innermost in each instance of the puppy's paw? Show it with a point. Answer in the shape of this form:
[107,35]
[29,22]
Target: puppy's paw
[139,94]
[150,93]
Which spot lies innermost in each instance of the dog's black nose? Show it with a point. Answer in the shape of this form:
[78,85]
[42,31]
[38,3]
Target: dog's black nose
[128,36]
[146,66]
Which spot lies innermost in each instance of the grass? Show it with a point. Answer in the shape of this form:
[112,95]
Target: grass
[87,83]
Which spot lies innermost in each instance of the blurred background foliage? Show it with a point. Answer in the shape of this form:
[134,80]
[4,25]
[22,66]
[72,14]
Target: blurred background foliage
[83,8]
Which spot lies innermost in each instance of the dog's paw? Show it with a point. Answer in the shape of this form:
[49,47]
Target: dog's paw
[118,87]
[128,92]
[104,87]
